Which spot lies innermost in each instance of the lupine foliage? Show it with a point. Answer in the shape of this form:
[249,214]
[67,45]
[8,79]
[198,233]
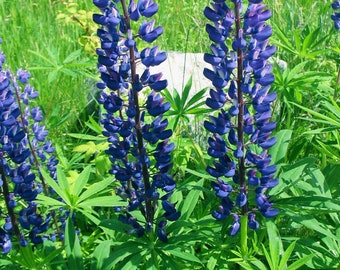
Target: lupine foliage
[141,195]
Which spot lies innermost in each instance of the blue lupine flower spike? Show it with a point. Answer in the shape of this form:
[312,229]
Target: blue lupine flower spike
[134,126]
[23,150]
[241,126]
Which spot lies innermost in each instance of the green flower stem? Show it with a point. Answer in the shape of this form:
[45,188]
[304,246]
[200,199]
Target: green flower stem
[244,235]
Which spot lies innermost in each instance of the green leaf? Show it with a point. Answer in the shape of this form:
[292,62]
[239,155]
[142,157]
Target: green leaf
[297,70]
[185,93]
[81,181]
[212,262]
[48,201]
[279,150]
[72,247]
[313,224]
[52,183]
[87,137]
[275,243]
[196,98]
[286,255]
[100,255]
[72,56]
[62,180]
[201,175]
[315,204]
[183,255]
[326,119]
[103,201]
[110,226]
[191,201]
[245,265]
[94,189]
[301,262]
[133,262]
[268,258]
[125,250]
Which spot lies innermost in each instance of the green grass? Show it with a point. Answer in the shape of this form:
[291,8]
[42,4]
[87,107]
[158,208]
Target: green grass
[33,38]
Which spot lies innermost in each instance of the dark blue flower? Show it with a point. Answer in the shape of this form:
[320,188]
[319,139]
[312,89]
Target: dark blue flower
[138,135]
[241,126]
[24,151]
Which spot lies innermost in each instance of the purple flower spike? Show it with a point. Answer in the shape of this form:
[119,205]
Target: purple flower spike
[23,152]
[133,122]
[241,124]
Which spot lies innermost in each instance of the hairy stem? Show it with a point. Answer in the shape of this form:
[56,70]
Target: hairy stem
[240,100]
[138,125]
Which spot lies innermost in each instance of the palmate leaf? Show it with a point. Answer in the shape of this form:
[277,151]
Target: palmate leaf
[52,183]
[81,181]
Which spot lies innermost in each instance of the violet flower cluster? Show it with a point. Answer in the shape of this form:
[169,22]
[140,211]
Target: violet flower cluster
[336,15]
[139,149]
[241,128]
[23,148]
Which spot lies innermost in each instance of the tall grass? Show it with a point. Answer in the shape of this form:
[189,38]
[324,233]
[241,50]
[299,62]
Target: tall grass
[35,40]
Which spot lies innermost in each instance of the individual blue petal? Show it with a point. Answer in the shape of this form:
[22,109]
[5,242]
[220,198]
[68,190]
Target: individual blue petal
[147,8]
[241,199]
[270,212]
[161,233]
[268,143]
[264,34]
[235,227]
[268,170]
[252,223]
[211,14]
[133,11]
[266,79]
[214,34]
[101,3]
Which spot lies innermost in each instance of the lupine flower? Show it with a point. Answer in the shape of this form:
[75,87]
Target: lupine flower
[139,149]
[336,15]
[23,149]
[242,127]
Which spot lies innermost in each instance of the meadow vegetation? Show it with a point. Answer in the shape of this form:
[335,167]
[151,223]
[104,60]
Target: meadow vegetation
[55,40]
